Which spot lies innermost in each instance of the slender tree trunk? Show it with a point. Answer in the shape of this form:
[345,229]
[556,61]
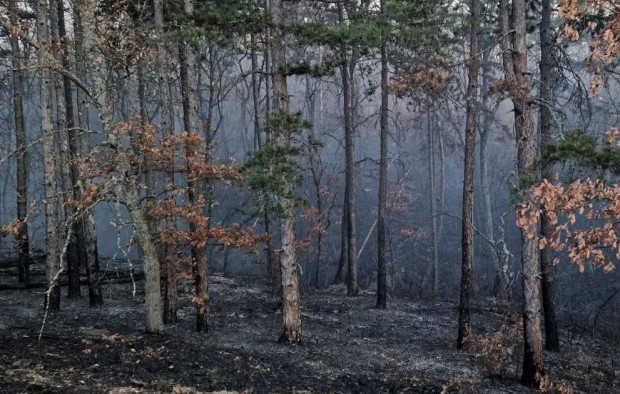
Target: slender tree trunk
[349,131]
[520,89]
[552,340]
[500,281]
[95,295]
[22,158]
[341,273]
[383,168]
[52,236]
[291,313]
[77,247]
[433,205]
[319,240]
[317,174]
[167,129]
[256,94]
[467,272]
[189,93]
[66,123]
[258,142]
[442,181]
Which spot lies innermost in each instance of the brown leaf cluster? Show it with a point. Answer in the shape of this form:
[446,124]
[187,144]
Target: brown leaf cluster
[605,44]
[595,238]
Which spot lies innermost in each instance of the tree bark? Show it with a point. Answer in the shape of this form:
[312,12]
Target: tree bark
[341,273]
[189,93]
[383,169]
[95,295]
[500,280]
[552,340]
[433,204]
[52,237]
[167,128]
[127,179]
[65,123]
[22,238]
[349,136]
[520,91]
[291,312]
[467,269]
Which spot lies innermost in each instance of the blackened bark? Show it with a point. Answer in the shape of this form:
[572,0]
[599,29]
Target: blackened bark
[167,128]
[189,93]
[77,248]
[52,238]
[467,269]
[349,137]
[433,204]
[258,142]
[341,274]
[500,280]
[552,340]
[95,295]
[22,159]
[66,124]
[383,168]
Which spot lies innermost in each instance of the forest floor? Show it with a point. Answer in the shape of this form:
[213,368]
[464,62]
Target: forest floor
[349,347]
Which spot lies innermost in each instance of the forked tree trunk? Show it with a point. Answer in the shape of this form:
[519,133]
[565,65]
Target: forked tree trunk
[189,93]
[552,340]
[126,177]
[52,238]
[383,168]
[291,312]
[22,158]
[467,269]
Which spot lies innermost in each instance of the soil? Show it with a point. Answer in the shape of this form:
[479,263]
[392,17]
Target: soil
[349,347]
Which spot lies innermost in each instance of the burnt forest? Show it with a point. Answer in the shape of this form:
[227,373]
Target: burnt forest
[296,196]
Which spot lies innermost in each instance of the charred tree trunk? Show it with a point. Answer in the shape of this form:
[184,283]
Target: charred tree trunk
[500,280]
[341,273]
[65,122]
[189,93]
[52,237]
[433,204]
[87,221]
[552,340]
[467,269]
[23,242]
[349,137]
[258,143]
[167,129]
[383,168]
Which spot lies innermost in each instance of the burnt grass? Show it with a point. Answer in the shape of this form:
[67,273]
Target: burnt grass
[349,347]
